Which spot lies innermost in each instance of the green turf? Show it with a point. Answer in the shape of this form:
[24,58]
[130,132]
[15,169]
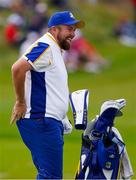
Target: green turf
[117,81]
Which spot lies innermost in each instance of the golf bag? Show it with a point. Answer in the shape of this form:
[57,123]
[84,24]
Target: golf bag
[103,149]
[103,153]
[100,156]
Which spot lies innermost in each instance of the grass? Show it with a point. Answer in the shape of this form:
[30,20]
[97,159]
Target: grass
[117,81]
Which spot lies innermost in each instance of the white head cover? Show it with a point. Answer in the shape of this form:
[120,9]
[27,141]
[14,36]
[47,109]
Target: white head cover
[117,104]
[79,105]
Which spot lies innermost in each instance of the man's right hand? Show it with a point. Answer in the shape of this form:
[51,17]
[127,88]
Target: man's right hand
[18,112]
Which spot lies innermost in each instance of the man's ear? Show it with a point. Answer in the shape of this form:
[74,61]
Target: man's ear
[54,29]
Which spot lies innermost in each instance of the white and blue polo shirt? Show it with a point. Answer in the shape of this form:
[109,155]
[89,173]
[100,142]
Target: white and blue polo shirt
[46,87]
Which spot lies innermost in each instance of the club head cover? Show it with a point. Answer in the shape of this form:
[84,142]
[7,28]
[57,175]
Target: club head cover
[109,110]
[117,104]
[79,103]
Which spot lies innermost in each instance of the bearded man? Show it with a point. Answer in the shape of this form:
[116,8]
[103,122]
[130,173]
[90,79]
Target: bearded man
[42,95]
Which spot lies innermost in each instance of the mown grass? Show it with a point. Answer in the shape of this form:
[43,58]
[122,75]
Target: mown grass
[117,81]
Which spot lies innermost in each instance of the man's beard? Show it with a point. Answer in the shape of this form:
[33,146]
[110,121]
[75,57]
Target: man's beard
[63,43]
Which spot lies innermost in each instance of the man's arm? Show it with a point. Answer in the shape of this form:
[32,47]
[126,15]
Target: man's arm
[19,70]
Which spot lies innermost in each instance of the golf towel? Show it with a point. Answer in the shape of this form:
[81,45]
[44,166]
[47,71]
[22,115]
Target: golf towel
[126,170]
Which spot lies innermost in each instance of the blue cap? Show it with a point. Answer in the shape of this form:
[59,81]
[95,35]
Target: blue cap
[64,18]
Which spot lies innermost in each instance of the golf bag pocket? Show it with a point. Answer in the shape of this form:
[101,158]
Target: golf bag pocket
[108,157]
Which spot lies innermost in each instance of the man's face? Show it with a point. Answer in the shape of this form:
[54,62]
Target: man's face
[65,35]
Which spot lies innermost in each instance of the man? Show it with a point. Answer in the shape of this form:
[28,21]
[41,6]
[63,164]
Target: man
[40,82]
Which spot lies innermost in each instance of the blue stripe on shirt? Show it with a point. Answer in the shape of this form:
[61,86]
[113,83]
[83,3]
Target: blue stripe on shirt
[38,95]
[36,51]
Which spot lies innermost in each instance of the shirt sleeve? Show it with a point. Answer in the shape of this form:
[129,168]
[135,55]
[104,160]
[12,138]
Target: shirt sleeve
[39,56]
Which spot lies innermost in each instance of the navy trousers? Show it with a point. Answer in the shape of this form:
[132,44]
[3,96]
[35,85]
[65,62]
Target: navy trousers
[44,138]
